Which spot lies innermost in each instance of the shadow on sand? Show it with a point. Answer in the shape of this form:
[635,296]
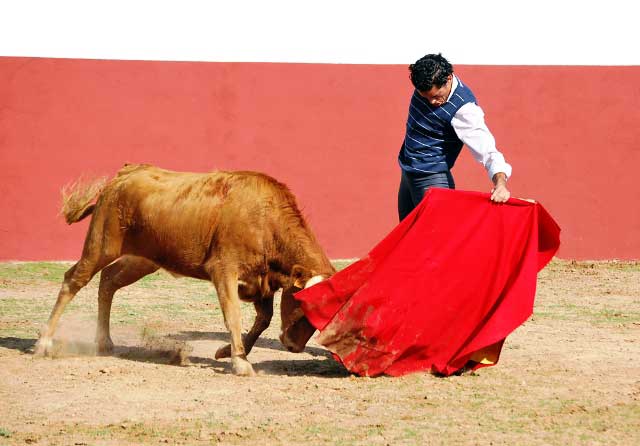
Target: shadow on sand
[177,353]
[223,336]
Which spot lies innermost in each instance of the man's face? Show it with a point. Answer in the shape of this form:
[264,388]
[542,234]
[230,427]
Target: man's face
[438,96]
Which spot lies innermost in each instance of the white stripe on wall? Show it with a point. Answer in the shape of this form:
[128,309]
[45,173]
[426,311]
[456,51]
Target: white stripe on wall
[500,32]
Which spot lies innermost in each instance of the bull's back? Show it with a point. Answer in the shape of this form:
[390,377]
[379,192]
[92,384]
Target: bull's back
[174,218]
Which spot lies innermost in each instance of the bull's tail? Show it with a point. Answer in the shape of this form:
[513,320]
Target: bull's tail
[78,198]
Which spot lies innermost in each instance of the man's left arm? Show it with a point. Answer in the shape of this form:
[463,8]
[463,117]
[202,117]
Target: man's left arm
[470,127]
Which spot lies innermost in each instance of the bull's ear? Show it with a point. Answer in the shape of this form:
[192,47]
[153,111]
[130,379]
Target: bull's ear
[299,276]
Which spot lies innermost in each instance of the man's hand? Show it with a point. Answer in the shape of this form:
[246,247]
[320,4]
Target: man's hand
[500,193]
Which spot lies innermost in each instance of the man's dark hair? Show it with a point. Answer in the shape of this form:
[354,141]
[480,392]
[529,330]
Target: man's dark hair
[430,71]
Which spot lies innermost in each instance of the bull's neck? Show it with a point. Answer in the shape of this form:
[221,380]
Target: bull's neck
[306,251]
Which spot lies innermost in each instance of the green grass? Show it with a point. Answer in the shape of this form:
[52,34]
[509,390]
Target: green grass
[594,314]
[342,263]
[46,271]
[157,297]
[586,265]
[54,272]
[4,433]
[176,298]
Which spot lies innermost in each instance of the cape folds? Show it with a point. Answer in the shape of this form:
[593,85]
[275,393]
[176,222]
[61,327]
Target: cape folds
[440,292]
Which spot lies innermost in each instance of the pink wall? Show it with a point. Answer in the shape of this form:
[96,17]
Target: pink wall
[331,132]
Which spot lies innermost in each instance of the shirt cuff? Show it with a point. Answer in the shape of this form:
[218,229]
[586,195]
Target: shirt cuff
[500,167]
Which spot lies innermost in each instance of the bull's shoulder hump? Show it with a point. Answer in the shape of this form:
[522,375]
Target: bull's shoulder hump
[130,168]
[160,173]
[151,178]
[258,178]
[153,173]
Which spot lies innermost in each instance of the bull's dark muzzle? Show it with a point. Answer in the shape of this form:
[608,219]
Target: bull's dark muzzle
[296,335]
[296,349]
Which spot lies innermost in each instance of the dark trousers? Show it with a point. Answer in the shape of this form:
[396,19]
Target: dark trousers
[414,185]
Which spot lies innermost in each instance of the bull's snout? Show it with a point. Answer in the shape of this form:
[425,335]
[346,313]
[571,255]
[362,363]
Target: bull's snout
[290,345]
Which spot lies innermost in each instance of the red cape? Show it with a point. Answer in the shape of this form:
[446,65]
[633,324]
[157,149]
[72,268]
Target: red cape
[442,291]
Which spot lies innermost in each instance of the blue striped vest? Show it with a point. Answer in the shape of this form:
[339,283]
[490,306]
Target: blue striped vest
[430,144]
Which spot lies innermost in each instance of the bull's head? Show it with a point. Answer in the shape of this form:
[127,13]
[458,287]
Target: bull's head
[296,329]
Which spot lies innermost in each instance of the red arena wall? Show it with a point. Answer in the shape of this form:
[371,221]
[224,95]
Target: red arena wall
[331,132]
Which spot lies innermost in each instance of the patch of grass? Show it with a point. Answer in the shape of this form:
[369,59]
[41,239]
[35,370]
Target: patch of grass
[340,264]
[611,315]
[15,309]
[152,280]
[375,430]
[4,433]
[567,311]
[314,429]
[585,265]
[45,271]
[54,272]
[410,433]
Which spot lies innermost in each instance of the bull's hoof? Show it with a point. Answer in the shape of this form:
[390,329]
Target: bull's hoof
[242,367]
[224,352]
[104,347]
[43,348]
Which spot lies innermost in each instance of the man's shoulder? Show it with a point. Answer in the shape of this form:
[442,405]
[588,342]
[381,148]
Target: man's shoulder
[464,94]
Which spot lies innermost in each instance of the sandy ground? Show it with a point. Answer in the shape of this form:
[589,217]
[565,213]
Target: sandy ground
[569,375]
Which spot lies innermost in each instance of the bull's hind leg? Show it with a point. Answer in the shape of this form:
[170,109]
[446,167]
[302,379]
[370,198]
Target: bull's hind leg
[124,272]
[101,247]
[226,283]
[74,280]
[264,313]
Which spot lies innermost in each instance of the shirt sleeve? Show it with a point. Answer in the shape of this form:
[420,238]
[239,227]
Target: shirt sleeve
[470,127]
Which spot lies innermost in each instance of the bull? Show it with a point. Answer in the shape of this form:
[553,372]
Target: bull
[243,231]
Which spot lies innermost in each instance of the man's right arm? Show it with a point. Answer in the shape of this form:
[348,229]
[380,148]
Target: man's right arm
[470,127]
[500,193]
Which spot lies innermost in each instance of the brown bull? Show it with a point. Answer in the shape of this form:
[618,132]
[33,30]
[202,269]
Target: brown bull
[241,230]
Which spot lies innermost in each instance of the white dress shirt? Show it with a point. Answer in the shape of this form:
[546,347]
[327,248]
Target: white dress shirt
[469,125]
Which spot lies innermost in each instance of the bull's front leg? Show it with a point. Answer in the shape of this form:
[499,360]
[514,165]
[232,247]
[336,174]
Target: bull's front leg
[264,313]
[226,284]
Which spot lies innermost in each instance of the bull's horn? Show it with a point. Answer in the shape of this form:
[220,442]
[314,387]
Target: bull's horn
[314,280]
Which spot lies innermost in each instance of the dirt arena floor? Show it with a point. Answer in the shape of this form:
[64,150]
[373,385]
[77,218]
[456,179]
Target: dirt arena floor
[569,376]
